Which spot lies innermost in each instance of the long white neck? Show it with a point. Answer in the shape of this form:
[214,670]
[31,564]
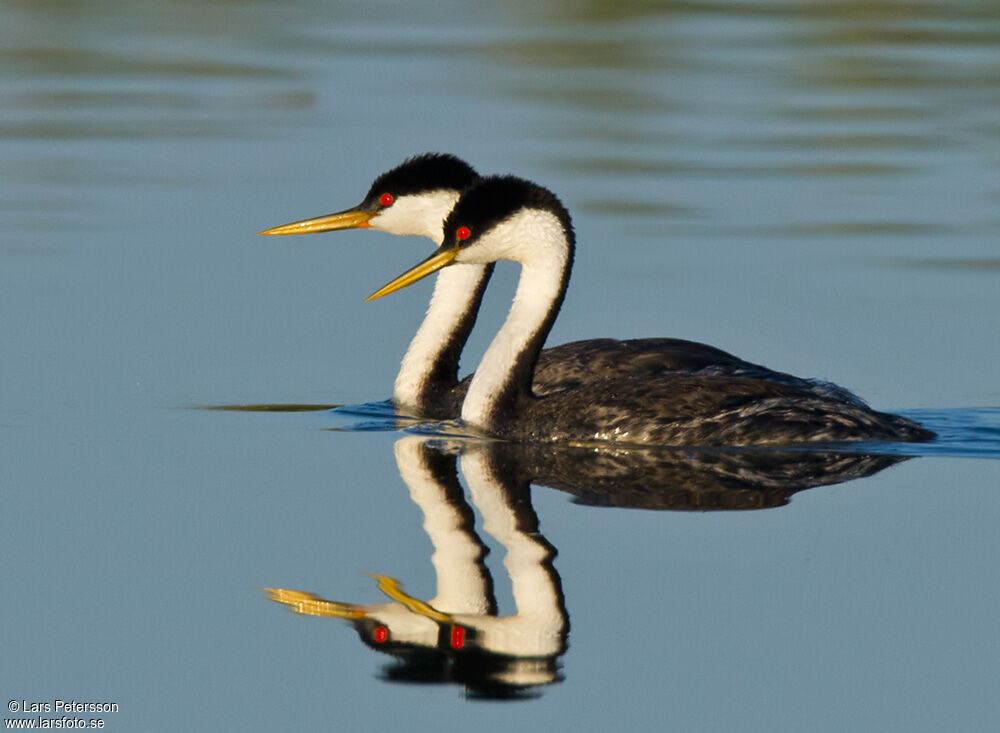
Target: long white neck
[463,583]
[538,626]
[430,365]
[538,241]
[429,368]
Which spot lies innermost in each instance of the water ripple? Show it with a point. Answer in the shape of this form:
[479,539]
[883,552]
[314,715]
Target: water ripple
[962,432]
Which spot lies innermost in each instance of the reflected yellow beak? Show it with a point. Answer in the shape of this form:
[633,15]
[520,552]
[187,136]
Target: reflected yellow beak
[390,586]
[312,605]
[432,264]
[350,219]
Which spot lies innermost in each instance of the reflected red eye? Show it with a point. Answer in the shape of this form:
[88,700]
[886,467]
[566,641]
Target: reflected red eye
[463,233]
[386,199]
[457,637]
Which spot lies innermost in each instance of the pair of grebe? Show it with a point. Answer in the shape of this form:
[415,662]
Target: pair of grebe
[643,391]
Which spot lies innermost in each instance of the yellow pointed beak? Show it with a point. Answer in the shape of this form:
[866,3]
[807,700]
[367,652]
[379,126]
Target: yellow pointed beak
[349,219]
[309,604]
[432,264]
[390,586]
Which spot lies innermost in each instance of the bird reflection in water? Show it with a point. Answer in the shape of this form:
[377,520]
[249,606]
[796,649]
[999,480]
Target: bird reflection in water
[458,636]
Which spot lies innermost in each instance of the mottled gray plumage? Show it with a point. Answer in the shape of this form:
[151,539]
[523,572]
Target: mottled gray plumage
[430,387]
[656,391]
[688,409]
[641,477]
[578,363]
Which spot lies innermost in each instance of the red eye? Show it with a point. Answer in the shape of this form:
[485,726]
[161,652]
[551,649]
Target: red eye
[386,199]
[381,634]
[463,233]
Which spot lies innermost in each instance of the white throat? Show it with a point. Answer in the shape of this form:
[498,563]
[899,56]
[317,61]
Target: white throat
[537,240]
[454,289]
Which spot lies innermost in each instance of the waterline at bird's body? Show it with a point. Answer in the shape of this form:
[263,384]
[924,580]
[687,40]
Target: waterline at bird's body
[414,198]
[509,218]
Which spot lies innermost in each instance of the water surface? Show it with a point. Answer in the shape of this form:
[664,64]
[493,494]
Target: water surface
[811,186]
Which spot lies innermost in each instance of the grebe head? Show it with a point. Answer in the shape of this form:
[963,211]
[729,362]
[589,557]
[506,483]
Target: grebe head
[412,198]
[498,218]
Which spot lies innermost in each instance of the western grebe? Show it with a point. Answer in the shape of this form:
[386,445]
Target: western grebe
[507,218]
[414,198]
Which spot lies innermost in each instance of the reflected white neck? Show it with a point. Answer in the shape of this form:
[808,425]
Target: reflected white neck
[536,628]
[462,582]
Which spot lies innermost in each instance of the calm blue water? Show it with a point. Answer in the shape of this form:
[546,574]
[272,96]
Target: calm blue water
[810,186]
